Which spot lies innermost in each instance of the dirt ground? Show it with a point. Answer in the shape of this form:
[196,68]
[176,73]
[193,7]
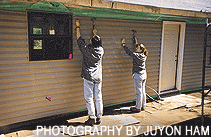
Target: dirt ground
[177,115]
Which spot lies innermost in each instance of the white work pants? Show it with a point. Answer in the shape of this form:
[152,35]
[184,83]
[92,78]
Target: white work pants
[93,90]
[139,86]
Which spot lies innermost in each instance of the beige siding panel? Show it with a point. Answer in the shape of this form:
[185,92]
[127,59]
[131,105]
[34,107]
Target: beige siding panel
[21,55]
[13,30]
[55,93]
[25,60]
[44,114]
[24,85]
[149,33]
[12,24]
[2,36]
[8,62]
[31,73]
[41,109]
[38,83]
[12,43]
[13,17]
[48,88]
[13,49]
[193,58]
[42,103]
[41,65]
[38,77]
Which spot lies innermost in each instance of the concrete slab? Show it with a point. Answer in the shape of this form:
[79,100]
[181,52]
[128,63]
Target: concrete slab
[174,102]
[109,123]
[49,132]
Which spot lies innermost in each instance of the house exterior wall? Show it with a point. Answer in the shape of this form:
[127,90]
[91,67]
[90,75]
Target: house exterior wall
[193,58]
[24,84]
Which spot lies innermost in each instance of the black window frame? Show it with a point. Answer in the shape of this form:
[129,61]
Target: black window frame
[55,46]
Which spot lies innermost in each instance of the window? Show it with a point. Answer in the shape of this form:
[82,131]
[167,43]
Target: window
[50,36]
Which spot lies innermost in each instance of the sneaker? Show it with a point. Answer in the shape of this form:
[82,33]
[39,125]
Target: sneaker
[98,121]
[90,121]
[143,108]
[134,109]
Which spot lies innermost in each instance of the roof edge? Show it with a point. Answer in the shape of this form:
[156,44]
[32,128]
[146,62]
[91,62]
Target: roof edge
[126,6]
[90,11]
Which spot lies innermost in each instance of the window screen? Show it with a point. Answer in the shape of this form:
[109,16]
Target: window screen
[50,36]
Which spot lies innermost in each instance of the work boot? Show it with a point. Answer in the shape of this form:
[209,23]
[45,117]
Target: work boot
[90,121]
[134,109]
[143,108]
[98,121]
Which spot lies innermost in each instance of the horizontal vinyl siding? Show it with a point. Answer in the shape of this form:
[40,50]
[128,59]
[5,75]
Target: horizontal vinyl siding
[193,58]
[25,84]
[208,60]
[117,61]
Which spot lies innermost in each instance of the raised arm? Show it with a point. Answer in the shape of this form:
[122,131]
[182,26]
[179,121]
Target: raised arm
[136,41]
[127,50]
[81,42]
[94,30]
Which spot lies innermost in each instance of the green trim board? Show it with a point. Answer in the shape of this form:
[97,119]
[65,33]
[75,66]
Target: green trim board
[132,15]
[40,6]
[190,90]
[14,5]
[87,11]
[49,6]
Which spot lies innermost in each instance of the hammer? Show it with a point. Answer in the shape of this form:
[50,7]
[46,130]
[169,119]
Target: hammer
[134,31]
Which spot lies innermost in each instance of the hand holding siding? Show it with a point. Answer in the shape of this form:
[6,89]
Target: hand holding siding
[78,34]
[123,42]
